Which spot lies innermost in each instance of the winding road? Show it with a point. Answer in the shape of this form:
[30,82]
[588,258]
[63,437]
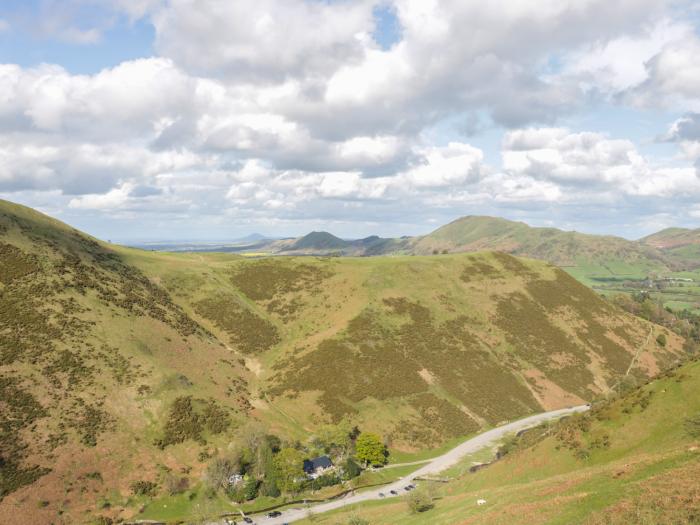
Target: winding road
[433,467]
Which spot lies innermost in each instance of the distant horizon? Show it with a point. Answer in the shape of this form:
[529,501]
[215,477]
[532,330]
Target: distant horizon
[145,241]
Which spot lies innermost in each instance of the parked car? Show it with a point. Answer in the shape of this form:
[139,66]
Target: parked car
[394,492]
[247,520]
[274,514]
[381,495]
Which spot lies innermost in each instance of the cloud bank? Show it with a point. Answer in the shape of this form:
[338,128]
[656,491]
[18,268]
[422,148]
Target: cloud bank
[284,114]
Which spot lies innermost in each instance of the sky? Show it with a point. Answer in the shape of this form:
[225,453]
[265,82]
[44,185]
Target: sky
[145,120]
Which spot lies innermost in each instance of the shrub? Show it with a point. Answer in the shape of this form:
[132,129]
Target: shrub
[351,469]
[357,520]
[661,340]
[692,426]
[419,500]
[176,485]
[327,480]
[144,488]
[250,489]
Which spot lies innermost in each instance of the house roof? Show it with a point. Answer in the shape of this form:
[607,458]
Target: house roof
[311,465]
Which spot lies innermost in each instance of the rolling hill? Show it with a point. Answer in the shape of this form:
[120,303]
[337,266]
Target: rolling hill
[121,366]
[681,245]
[324,243]
[562,248]
[592,255]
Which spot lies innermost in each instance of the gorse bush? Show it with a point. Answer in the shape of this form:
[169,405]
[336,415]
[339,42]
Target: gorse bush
[186,422]
[247,331]
[144,488]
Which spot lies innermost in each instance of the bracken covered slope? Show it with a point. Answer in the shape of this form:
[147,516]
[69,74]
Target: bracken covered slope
[93,355]
[421,349]
[120,365]
[681,245]
[634,459]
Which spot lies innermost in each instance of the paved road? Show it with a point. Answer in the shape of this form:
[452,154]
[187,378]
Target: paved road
[434,467]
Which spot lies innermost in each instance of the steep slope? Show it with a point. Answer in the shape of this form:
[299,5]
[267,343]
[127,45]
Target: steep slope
[421,349]
[93,356]
[633,459]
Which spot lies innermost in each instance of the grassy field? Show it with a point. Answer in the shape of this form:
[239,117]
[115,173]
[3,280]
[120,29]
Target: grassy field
[677,295]
[640,464]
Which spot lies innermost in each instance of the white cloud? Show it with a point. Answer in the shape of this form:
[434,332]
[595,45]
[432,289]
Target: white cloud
[673,78]
[262,39]
[455,164]
[621,63]
[593,164]
[114,198]
[288,110]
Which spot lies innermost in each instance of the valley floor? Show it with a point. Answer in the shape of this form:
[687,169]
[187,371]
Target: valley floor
[432,469]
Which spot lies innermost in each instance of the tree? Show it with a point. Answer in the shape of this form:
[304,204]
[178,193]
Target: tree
[289,464]
[250,489]
[220,470]
[351,469]
[334,438]
[370,450]
[270,476]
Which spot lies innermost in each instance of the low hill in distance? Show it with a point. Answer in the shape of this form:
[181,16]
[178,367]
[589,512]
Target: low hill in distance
[679,244]
[672,238]
[119,367]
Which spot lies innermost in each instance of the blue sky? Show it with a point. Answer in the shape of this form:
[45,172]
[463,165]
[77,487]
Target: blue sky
[147,120]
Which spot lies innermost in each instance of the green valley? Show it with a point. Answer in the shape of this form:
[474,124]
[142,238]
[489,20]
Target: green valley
[130,378]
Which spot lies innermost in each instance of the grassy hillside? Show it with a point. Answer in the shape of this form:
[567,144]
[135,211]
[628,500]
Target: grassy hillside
[421,349]
[681,245]
[120,366]
[324,243]
[633,459]
[665,265]
[610,254]
[93,356]
[672,238]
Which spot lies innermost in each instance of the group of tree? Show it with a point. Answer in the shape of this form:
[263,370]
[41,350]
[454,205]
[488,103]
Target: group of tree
[685,323]
[263,464]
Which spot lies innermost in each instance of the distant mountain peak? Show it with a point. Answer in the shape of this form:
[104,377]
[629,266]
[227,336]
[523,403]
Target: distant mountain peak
[319,240]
